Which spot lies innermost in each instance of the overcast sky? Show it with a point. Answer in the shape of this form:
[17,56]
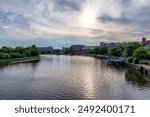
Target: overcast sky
[65,22]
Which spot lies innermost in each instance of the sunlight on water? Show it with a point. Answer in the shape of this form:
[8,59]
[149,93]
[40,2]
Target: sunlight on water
[70,77]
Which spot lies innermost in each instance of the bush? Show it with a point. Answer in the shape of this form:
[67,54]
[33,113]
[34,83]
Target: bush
[144,62]
[130,59]
[23,55]
[1,55]
[7,52]
[4,56]
[15,55]
[136,60]
[27,53]
[34,52]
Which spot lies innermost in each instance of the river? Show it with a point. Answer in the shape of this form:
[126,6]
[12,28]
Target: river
[70,78]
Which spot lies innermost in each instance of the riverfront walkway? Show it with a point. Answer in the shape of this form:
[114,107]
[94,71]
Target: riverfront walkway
[143,69]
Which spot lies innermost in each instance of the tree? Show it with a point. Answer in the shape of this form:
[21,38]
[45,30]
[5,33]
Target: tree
[117,51]
[58,51]
[140,53]
[97,50]
[6,49]
[91,51]
[148,51]
[103,50]
[34,52]
[4,56]
[33,46]
[19,50]
[15,55]
[27,52]
[131,47]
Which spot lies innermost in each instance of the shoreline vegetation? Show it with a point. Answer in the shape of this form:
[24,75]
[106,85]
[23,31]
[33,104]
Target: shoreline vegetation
[18,60]
[18,55]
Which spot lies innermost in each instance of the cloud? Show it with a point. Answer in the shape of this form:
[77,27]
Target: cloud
[96,20]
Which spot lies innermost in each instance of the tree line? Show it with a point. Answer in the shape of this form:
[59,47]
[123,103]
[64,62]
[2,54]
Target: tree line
[133,51]
[18,52]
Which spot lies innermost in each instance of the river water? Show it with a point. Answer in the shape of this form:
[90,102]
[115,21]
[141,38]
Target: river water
[70,77]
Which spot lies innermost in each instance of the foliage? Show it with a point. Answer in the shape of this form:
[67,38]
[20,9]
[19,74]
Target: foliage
[58,51]
[33,46]
[148,51]
[136,60]
[15,55]
[103,50]
[34,52]
[140,53]
[98,50]
[6,49]
[117,51]
[18,52]
[131,47]
[91,51]
[144,62]
[27,53]
[66,51]
[130,59]
[4,56]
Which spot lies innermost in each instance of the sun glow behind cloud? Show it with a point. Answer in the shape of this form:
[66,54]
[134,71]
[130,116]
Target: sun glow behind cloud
[96,20]
[88,19]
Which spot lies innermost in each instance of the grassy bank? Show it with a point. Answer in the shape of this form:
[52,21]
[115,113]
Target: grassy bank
[18,60]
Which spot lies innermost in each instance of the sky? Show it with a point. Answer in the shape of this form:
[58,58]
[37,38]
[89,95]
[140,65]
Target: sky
[61,23]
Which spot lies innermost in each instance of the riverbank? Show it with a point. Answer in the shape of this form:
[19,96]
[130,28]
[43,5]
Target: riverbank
[143,70]
[139,68]
[18,60]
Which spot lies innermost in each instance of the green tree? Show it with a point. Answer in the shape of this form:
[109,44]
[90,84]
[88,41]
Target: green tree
[34,52]
[27,52]
[97,50]
[15,55]
[6,49]
[103,50]
[148,51]
[33,46]
[140,53]
[91,51]
[58,52]
[4,56]
[117,51]
[131,47]
[19,50]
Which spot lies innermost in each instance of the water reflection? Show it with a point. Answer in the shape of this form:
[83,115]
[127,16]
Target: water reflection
[136,79]
[70,77]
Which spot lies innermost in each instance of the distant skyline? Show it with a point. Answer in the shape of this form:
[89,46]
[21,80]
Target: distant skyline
[60,23]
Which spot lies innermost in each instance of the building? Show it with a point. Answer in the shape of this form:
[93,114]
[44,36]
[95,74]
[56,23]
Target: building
[46,50]
[103,44]
[76,49]
[145,42]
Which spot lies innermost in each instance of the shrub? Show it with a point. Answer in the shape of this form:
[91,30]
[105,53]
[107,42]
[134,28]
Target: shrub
[34,52]
[130,59]
[1,55]
[15,55]
[4,56]
[27,53]
[144,62]
[136,60]
[23,55]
